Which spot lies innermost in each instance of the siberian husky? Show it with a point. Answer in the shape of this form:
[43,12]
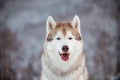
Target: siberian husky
[63,57]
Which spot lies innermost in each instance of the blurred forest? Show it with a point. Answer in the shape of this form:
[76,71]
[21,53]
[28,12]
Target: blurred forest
[22,33]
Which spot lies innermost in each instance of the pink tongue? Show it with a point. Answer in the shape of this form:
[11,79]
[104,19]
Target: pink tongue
[65,57]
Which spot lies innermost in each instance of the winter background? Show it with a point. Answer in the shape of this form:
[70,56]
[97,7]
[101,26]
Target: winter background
[22,33]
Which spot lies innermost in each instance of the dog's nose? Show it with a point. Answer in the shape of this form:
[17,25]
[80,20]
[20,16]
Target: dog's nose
[65,48]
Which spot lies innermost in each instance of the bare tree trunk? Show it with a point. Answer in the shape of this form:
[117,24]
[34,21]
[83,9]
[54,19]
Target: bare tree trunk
[6,43]
[118,40]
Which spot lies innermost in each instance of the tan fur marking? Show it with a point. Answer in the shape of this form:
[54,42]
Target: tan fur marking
[50,25]
[51,35]
[63,27]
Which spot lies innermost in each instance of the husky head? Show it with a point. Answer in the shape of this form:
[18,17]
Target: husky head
[64,42]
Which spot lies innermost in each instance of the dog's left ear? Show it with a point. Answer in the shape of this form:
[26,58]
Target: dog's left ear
[50,24]
[76,23]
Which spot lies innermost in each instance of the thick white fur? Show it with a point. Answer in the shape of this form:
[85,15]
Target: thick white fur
[53,67]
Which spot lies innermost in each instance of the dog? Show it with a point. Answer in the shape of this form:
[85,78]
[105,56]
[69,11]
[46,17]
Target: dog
[63,57]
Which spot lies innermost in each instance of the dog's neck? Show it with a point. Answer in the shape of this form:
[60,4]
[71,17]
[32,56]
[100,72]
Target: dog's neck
[80,65]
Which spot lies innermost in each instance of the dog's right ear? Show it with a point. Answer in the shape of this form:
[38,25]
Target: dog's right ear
[50,24]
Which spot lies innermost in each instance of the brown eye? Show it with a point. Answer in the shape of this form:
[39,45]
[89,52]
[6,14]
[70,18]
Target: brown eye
[58,38]
[70,38]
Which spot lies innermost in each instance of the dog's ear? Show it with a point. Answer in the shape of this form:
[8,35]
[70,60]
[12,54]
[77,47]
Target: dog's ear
[50,24]
[76,23]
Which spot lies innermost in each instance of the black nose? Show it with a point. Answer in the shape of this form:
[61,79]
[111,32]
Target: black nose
[65,48]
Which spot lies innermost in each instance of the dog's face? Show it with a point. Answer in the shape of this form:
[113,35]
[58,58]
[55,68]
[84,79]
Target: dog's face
[64,41]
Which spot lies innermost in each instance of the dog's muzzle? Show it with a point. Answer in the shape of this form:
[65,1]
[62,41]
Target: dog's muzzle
[65,53]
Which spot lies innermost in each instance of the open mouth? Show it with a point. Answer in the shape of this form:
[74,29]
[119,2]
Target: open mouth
[65,56]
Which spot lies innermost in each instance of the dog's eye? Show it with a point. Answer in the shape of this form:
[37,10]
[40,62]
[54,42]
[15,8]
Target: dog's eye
[58,38]
[70,38]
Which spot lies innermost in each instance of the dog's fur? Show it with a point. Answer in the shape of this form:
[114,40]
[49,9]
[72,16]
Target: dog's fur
[56,67]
